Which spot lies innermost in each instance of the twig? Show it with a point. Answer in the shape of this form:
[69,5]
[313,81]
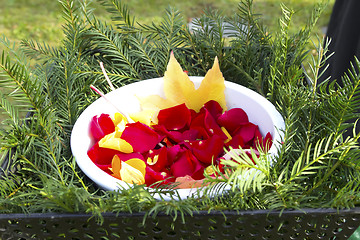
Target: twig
[106,99]
[106,76]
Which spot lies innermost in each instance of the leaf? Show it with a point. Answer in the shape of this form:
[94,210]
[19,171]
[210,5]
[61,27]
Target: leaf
[179,89]
[212,88]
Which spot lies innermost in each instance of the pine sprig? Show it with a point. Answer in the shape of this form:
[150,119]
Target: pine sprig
[317,164]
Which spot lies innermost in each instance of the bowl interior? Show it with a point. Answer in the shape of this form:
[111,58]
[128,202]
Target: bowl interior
[260,112]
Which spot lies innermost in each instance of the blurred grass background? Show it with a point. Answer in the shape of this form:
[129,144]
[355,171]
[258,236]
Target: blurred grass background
[41,20]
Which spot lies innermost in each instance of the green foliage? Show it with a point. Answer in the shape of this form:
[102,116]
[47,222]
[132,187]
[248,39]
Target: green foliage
[317,164]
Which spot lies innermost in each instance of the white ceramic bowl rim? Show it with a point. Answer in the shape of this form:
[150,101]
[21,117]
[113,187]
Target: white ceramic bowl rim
[260,111]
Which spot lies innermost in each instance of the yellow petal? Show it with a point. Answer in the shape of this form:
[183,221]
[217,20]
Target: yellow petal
[151,105]
[155,102]
[119,121]
[138,164]
[178,89]
[133,171]
[147,117]
[116,166]
[113,142]
[177,85]
[118,117]
[212,87]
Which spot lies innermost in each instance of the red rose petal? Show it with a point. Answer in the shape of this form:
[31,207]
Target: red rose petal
[173,154]
[206,125]
[140,136]
[104,167]
[159,157]
[190,135]
[152,177]
[183,166]
[198,171]
[213,107]
[207,150]
[174,118]
[101,126]
[212,127]
[264,143]
[233,119]
[127,156]
[173,135]
[188,165]
[247,132]
[102,156]
[236,142]
[268,141]
[198,124]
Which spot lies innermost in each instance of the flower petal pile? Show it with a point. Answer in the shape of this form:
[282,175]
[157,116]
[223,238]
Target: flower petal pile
[177,139]
[182,145]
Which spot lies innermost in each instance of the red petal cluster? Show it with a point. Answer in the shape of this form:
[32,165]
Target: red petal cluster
[101,126]
[183,143]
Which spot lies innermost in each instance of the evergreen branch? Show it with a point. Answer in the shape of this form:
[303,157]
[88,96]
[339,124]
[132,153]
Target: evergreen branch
[9,109]
[114,47]
[119,14]
[173,209]
[346,148]
[148,55]
[350,92]
[38,51]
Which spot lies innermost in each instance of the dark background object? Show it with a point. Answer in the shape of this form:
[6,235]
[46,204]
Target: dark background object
[344,31]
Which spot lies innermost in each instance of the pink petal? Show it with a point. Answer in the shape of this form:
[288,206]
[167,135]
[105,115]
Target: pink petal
[174,118]
[233,119]
[140,136]
[101,126]
[188,182]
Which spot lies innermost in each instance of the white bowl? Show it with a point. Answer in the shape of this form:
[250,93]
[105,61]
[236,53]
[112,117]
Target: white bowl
[259,110]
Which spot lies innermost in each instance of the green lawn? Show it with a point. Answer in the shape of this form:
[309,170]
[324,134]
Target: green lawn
[41,20]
